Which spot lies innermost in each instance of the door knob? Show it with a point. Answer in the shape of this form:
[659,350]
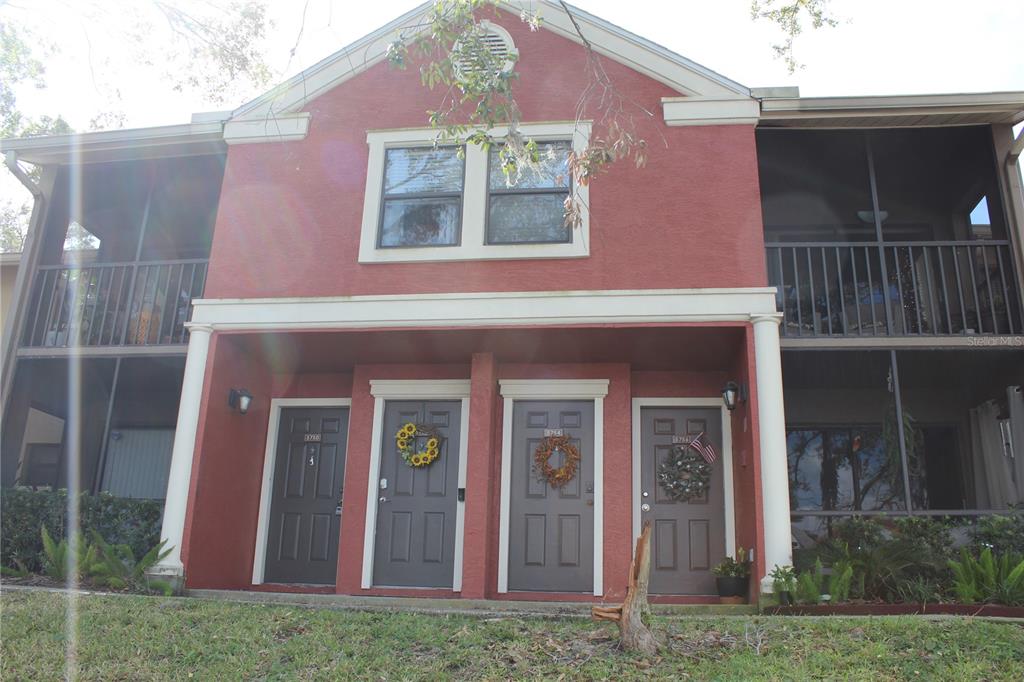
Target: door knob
[645,507]
[382,499]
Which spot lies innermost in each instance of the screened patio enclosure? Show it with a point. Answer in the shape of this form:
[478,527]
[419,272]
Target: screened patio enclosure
[896,232]
[896,433]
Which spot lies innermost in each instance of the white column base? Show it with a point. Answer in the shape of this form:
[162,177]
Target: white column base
[180,475]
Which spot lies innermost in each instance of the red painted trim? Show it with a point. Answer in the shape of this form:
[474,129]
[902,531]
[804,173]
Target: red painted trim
[426,593]
[292,589]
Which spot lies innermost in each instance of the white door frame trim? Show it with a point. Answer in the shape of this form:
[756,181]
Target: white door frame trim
[552,389]
[727,463]
[383,390]
[259,559]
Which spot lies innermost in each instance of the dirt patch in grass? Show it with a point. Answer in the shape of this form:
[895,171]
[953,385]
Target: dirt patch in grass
[147,638]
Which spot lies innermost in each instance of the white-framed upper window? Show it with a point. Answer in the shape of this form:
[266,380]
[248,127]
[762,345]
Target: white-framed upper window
[425,203]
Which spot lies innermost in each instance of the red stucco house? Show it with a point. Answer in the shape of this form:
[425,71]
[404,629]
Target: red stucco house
[310,274]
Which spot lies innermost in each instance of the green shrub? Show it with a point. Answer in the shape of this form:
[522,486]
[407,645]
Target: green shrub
[1003,534]
[56,555]
[919,590]
[807,591]
[989,578]
[115,566]
[783,579]
[840,581]
[135,523]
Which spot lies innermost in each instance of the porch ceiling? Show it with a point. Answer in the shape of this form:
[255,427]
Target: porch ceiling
[645,348]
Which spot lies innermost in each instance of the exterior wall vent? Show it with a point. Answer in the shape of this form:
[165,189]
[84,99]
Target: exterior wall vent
[498,42]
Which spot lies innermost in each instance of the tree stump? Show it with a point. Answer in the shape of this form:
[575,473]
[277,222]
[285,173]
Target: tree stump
[634,635]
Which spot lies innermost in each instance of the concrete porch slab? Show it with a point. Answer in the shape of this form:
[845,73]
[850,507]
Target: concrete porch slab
[472,607]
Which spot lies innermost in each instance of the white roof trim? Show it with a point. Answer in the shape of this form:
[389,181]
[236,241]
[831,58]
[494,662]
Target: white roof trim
[675,71]
[111,144]
[707,111]
[996,103]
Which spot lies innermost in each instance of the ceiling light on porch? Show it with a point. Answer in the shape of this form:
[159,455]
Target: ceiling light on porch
[239,399]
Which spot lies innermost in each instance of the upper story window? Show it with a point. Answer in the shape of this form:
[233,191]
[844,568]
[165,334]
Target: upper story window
[422,197]
[529,206]
[425,203]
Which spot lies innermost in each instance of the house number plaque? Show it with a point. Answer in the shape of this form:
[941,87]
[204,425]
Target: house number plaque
[681,440]
[553,432]
[312,438]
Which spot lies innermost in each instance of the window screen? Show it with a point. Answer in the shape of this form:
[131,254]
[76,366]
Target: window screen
[532,210]
[422,203]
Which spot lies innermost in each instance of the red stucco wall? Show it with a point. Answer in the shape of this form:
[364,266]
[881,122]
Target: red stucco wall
[289,216]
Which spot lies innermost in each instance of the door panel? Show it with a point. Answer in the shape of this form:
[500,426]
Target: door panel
[415,535]
[309,471]
[688,538]
[551,532]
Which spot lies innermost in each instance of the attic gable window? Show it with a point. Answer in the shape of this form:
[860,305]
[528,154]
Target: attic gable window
[425,203]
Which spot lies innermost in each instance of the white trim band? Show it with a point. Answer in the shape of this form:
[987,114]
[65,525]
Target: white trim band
[486,309]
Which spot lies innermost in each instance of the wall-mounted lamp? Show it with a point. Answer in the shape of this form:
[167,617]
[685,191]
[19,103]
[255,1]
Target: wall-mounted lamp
[732,395]
[239,399]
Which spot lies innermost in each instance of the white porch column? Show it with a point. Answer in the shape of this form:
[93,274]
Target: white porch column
[778,543]
[184,446]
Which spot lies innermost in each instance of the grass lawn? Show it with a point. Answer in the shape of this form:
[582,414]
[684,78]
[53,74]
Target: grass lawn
[123,638]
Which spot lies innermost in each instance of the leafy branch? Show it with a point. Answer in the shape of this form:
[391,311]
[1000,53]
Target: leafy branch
[789,16]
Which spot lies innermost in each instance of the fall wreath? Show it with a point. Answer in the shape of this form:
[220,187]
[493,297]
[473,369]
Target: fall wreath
[559,476]
[410,435]
[685,474]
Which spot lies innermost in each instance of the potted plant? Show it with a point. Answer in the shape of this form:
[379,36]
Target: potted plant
[784,584]
[733,577]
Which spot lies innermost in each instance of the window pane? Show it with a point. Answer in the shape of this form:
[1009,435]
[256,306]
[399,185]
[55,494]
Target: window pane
[425,169]
[552,169]
[526,218]
[420,222]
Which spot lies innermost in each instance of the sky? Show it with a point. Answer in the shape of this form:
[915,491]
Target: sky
[880,47]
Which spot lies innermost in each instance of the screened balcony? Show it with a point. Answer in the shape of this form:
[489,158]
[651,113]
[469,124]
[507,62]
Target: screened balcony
[121,267]
[888,233]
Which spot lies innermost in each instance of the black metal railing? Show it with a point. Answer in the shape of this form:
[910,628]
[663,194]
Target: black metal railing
[896,288]
[112,304]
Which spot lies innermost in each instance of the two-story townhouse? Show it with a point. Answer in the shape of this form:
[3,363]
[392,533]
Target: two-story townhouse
[863,252]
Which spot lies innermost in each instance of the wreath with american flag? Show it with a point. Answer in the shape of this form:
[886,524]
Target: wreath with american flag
[686,473]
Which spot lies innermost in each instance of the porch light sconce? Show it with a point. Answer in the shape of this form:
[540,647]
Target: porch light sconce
[733,394]
[239,399]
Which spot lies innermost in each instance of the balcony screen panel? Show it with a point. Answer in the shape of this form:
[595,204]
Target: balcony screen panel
[527,218]
[841,421]
[421,222]
[423,170]
[963,421]
[932,180]
[551,170]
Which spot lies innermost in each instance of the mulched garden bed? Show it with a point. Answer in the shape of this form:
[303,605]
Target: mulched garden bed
[881,609]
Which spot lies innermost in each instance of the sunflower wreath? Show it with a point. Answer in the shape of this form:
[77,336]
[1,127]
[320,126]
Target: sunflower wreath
[406,439]
[685,474]
[559,476]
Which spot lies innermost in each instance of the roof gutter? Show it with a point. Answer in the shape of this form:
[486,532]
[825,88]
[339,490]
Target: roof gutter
[11,161]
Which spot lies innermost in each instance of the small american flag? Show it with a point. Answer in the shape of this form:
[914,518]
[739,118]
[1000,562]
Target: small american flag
[705,448]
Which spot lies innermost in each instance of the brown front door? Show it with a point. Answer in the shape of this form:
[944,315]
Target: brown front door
[309,468]
[687,538]
[551,531]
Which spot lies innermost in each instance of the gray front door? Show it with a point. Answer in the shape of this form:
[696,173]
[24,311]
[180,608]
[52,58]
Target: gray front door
[551,531]
[415,541]
[309,470]
[687,538]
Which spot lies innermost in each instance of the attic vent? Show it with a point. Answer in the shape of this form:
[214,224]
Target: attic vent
[497,41]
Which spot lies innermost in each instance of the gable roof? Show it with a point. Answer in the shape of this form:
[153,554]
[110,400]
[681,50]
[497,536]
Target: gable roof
[677,72]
